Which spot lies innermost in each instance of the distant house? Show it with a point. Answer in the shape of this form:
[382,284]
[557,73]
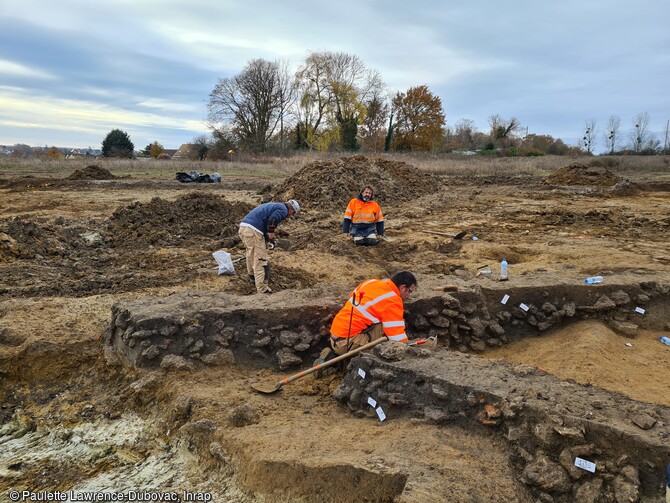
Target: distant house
[186,151]
[6,150]
[84,153]
[170,152]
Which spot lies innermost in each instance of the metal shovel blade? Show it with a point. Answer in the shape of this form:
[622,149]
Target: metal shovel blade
[265,387]
[460,235]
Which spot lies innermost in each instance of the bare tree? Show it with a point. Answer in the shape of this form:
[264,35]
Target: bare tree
[286,98]
[642,140]
[252,103]
[611,136]
[589,137]
[464,134]
[503,130]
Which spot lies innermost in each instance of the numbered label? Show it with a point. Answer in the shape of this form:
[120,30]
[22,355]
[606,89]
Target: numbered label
[504,299]
[361,373]
[372,402]
[585,465]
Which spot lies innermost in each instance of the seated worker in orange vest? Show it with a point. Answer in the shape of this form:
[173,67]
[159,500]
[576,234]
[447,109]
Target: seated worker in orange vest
[375,309]
[363,217]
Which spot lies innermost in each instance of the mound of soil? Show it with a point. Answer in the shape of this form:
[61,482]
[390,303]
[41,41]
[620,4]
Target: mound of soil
[331,184]
[579,174]
[91,172]
[21,238]
[165,223]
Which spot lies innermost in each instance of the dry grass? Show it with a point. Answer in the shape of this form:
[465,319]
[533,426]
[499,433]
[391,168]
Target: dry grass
[279,167]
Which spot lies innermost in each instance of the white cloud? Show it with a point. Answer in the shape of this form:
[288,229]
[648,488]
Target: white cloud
[19,70]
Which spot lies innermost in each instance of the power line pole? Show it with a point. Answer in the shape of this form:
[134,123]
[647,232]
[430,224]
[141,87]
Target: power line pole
[665,145]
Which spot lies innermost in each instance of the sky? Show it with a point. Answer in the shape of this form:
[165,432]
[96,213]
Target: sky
[73,70]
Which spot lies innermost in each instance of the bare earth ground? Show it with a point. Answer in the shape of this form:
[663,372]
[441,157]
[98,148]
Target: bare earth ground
[71,247]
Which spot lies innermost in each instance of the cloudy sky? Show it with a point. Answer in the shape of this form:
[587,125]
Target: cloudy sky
[72,70]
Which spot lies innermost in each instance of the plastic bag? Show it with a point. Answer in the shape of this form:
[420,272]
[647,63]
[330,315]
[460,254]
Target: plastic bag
[222,258]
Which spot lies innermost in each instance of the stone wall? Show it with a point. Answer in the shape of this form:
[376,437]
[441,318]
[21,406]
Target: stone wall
[289,329]
[473,320]
[547,422]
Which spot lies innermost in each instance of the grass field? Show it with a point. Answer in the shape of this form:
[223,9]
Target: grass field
[269,167]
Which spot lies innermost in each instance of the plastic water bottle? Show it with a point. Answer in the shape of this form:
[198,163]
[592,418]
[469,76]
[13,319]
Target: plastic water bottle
[593,280]
[666,341]
[503,270]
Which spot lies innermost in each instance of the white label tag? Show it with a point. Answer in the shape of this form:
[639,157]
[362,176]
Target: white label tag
[504,299]
[361,373]
[524,307]
[585,465]
[372,402]
[380,413]
[640,310]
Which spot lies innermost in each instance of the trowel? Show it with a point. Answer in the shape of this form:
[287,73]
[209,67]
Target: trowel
[460,235]
[284,244]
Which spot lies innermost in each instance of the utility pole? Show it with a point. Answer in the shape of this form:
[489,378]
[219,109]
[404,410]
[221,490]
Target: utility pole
[665,145]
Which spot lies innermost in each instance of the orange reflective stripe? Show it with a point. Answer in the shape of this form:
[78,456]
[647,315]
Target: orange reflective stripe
[377,301]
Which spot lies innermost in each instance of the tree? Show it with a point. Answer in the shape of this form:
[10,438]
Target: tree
[503,130]
[201,147]
[642,140]
[21,150]
[374,124]
[611,136]
[464,136]
[420,120]
[156,149]
[589,137]
[334,91]
[117,144]
[252,103]
[558,147]
[54,153]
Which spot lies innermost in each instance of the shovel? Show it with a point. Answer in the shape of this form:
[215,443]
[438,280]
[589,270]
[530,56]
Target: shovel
[271,388]
[460,235]
[283,244]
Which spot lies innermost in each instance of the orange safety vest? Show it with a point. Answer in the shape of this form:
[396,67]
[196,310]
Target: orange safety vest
[375,301]
[362,212]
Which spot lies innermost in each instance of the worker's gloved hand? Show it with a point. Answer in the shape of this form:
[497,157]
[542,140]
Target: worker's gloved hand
[272,244]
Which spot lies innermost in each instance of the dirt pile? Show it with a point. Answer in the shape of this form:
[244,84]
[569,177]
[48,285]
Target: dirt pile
[92,172]
[580,174]
[166,223]
[331,184]
[20,238]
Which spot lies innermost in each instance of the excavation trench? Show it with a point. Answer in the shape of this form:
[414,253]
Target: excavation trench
[548,424]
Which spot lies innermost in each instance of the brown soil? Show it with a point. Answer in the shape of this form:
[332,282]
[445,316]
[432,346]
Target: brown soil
[91,172]
[580,174]
[68,251]
[325,184]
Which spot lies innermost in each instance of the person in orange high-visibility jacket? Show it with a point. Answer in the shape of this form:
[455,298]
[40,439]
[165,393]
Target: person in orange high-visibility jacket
[375,309]
[363,218]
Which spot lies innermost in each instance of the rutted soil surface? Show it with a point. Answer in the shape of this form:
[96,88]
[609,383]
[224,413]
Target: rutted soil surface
[72,245]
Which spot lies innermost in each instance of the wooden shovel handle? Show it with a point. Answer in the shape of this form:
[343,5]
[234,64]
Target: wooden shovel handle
[330,362]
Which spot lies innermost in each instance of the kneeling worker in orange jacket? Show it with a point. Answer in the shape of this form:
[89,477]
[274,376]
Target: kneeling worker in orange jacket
[375,309]
[363,219]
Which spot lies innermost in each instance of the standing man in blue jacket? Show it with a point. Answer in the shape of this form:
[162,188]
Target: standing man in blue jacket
[257,228]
